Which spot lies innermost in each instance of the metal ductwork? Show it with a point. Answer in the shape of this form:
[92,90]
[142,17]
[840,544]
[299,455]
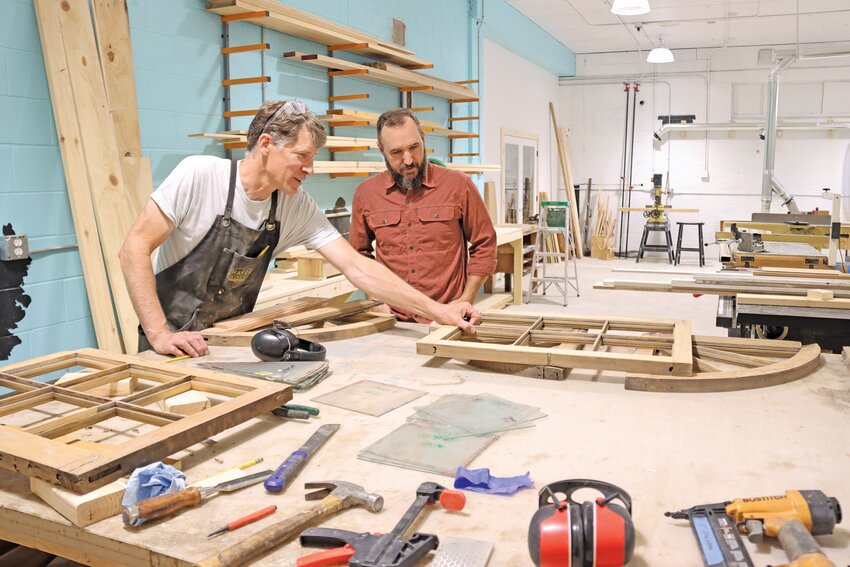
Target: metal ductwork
[769,183]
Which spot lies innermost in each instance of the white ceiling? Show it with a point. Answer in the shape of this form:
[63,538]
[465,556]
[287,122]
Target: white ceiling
[588,26]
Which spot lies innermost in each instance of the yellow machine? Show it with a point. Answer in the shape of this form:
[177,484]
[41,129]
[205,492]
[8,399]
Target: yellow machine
[793,518]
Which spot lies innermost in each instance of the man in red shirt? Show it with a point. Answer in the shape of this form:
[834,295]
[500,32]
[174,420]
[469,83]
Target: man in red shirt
[428,222]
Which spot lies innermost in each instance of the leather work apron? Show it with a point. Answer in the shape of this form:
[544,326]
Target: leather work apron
[221,277]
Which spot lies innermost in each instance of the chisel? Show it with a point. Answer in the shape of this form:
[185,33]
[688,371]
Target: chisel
[167,504]
[293,463]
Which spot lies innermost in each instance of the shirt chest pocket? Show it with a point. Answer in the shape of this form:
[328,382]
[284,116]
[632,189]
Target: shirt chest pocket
[388,229]
[440,227]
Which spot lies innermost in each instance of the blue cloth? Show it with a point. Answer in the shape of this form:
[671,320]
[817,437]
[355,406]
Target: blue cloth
[480,480]
[153,480]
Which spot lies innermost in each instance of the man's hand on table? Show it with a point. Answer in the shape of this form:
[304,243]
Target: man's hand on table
[180,343]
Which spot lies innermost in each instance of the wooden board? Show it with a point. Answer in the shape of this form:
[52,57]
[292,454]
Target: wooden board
[786,301]
[112,204]
[76,177]
[564,160]
[33,448]
[520,333]
[82,509]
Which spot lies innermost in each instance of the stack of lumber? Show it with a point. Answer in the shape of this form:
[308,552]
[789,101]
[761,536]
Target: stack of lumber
[88,60]
[602,239]
[238,139]
[791,283]
[564,161]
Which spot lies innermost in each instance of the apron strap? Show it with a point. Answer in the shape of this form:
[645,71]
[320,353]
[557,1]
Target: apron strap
[271,223]
[231,192]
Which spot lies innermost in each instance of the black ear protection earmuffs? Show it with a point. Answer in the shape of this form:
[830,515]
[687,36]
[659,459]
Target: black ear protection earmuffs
[278,343]
[564,533]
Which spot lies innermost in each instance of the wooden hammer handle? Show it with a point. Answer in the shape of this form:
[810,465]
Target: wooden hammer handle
[167,504]
[272,536]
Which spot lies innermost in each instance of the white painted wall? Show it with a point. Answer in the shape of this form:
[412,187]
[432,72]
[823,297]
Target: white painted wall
[593,109]
[515,94]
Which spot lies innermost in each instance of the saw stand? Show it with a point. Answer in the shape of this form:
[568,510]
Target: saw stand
[656,221]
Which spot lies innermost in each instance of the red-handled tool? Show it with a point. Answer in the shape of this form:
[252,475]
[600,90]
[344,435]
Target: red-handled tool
[245,520]
[386,550]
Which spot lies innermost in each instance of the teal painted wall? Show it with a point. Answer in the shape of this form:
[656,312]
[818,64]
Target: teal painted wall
[178,72]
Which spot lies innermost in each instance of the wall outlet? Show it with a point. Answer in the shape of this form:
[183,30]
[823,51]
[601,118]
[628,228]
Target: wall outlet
[14,247]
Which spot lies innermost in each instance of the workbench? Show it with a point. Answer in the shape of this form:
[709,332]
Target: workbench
[670,451]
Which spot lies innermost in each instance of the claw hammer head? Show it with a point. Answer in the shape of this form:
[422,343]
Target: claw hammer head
[351,494]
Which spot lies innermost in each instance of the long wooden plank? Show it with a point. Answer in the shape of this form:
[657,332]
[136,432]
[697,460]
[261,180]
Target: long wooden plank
[76,179]
[798,366]
[267,316]
[112,204]
[564,160]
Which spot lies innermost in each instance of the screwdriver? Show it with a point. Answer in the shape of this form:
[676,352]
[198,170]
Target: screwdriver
[244,521]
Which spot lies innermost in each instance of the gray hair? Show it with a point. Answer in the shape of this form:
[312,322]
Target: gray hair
[283,120]
[396,117]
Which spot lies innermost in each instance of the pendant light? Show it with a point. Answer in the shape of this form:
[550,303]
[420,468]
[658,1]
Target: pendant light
[660,54]
[630,7]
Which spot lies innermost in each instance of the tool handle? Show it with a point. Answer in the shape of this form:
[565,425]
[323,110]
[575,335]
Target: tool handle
[253,517]
[335,556]
[270,537]
[286,471]
[165,505]
[309,409]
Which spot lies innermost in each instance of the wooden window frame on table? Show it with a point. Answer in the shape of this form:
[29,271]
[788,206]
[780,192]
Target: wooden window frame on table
[449,342]
[41,450]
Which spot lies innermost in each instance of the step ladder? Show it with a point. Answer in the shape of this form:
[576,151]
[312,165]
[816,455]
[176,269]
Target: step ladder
[552,221]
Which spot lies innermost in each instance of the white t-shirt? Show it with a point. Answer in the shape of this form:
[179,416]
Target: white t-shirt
[196,192]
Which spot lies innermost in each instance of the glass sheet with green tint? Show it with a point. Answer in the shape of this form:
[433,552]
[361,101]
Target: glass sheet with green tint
[417,446]
[458,414]
[370,397]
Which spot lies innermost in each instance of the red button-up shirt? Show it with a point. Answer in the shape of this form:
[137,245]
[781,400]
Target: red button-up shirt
[431,237]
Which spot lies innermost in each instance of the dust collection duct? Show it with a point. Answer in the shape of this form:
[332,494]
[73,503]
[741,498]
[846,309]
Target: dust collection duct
[769,183]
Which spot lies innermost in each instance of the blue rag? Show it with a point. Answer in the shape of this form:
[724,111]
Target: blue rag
[480,480]
[153,480]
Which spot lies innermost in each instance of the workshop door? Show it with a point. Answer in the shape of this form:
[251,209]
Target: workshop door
[519,164]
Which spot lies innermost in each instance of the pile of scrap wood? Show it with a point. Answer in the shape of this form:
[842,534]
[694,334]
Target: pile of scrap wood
[88,60]
[602,239]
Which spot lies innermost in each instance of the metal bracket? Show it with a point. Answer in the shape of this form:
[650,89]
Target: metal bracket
[550,373]
[14,247]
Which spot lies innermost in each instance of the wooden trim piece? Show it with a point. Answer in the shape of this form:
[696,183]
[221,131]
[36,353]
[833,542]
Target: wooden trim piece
[348,47]
[473,154]
[465,99]
[265,317]
[244,16]
[801,364]
[357,96]
[421,109]
[235,113]
[349,174]
[76,177]
[245,81]
[81,470]
[244,48]
[348,149]
[347,72]
[467,82]
[358,325]
[415,89]
[235,145]
[460,118]
[785,301]
[417,67]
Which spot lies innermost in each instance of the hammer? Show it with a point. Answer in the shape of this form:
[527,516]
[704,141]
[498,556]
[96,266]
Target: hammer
[336,495]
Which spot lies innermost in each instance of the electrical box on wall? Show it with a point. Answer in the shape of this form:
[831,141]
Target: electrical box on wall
[14,247]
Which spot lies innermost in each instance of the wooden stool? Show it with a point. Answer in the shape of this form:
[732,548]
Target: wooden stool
[701,248]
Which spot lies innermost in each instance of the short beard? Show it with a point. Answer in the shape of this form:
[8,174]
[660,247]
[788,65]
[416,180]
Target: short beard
[404,182]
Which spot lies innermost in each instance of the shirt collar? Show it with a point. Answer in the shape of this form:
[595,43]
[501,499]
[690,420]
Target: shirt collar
[428,181]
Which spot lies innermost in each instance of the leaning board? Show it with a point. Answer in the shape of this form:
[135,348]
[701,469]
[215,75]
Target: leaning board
[40,421]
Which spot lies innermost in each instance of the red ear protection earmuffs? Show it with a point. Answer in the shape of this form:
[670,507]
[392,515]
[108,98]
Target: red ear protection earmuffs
[564,533]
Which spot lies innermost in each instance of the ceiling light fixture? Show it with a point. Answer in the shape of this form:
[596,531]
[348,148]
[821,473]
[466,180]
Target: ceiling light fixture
[630,7]
[660,54]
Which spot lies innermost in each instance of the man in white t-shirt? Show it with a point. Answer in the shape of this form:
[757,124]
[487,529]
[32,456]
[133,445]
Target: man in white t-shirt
[215,224]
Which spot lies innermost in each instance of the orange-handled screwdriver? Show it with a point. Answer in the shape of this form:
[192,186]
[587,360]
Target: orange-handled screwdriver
[245,520]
